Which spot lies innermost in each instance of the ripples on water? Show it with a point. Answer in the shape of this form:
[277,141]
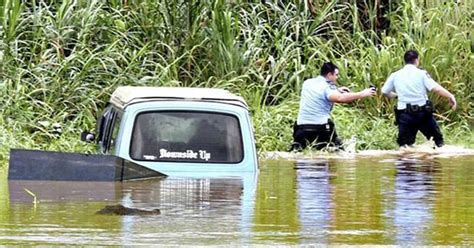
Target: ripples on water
[363,201]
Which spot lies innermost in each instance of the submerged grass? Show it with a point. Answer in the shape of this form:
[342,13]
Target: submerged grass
[60,60]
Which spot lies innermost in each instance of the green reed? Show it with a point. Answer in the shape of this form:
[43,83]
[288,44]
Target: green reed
[61,60]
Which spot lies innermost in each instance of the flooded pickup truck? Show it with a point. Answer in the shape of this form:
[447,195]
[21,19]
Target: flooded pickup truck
[165,129]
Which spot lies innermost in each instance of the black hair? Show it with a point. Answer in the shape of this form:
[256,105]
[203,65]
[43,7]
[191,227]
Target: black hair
[410,56]
[328,67]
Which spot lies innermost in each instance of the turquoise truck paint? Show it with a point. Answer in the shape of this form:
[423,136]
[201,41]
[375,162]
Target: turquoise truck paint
[122,120]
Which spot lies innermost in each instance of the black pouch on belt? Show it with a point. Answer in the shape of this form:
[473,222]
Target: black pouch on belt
[429,107]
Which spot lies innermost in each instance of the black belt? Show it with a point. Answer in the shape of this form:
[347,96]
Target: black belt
[314,127]
[416,108]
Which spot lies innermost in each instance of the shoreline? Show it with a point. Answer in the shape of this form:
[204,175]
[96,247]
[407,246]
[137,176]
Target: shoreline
[418,151]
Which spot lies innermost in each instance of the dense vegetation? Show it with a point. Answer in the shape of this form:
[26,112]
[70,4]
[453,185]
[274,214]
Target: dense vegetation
[60,60]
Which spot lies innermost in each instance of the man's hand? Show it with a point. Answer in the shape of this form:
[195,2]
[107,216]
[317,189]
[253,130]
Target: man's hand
[452,102]
[368,92]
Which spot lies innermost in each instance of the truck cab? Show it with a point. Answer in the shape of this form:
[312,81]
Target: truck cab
[177,130]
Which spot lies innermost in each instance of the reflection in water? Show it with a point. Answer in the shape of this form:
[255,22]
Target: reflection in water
[191,208]
[314,191]
[330,202]
[412,213]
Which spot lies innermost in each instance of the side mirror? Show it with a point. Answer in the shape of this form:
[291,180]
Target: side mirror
[87,136]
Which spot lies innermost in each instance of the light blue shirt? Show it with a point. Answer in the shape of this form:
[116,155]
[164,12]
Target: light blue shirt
[315,107]
[411,85]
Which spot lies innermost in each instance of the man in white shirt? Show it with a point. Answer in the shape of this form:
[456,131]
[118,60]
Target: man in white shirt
[414,111]
[318,95]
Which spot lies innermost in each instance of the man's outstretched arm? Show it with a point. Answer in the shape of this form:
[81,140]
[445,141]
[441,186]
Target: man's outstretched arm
[438,89]
[338,97]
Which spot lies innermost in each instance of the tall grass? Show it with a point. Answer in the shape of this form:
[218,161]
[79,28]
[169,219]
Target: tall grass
[60,60]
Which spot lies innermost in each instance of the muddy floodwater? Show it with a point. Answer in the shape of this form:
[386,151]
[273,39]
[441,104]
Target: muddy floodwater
[374,200]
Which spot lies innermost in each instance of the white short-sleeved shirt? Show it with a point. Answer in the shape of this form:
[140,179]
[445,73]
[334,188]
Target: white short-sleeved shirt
[315,107]
[411,85]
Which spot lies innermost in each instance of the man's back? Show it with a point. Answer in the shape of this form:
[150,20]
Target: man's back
[315,107]
[411,85]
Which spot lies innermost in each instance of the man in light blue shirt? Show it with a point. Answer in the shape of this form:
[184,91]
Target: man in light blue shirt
[314,126]
[414,111]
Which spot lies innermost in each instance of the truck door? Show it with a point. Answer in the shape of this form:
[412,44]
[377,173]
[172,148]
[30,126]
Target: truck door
[107,129]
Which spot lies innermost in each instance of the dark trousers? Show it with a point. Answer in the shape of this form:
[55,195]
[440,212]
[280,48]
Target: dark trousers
[410,123]
[317,136]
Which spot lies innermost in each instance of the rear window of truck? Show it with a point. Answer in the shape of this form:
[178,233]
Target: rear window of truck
[187,136]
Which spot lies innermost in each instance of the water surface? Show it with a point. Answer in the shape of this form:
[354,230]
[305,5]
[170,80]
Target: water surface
[377,200]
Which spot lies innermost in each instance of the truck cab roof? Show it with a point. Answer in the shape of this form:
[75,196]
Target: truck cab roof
[127,95]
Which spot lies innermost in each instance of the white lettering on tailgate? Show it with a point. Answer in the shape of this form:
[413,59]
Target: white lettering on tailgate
[189,154]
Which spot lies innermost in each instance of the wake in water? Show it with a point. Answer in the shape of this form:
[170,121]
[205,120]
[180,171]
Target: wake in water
[417,152]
